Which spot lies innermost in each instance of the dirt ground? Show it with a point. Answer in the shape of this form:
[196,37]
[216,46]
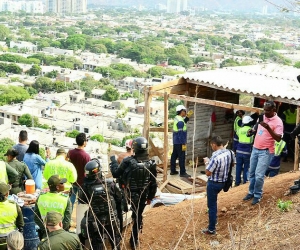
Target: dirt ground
[240,226]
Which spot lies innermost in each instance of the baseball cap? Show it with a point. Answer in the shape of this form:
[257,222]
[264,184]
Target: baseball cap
[128,143]
[54,180]
[61,151]
[11,152]
[4,188]
[53,218]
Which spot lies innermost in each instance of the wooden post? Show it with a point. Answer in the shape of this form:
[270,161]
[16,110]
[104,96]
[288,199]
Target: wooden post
[148,99]
[296,159]
[166,137]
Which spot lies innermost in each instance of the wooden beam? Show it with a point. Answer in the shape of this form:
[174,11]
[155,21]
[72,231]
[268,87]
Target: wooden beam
[161,187]
[148,100]
[209,102]
[155,150]
[166,130]
[159,129]
[296,158]
[166,84]
[290,101]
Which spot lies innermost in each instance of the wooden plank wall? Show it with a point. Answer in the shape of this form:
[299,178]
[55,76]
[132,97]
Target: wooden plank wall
[204,127]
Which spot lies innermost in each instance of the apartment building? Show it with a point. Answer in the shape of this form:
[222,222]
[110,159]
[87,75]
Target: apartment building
[66,6]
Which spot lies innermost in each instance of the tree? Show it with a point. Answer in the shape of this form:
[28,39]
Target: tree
[5,144]
[111,94]
[248,44]
[35,70]
[27,120]
[72,134]
[297,65]
[97,137]
[4,32]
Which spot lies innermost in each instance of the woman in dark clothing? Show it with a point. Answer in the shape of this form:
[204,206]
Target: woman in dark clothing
[22,169]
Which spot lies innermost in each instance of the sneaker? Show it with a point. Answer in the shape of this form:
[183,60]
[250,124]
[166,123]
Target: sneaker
[185,175]
[255,201]
[248,197]
[174,173]
[207,231]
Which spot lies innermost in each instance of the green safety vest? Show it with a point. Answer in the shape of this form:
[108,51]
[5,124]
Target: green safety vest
[236,127]
[279,146]
[8,217]
[3,173]
[63,168]
[242,134]
[290,118]
[177,119]
[52,202]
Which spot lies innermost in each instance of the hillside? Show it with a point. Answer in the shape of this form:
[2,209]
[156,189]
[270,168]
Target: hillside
[242,226]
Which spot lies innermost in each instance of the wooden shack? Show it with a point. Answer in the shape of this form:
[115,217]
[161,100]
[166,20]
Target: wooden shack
[214,95]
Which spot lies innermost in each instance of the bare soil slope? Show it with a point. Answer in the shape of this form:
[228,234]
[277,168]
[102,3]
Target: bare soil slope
[240,226]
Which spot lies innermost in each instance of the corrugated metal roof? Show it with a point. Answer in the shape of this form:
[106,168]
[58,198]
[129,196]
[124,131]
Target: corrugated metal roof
[260,80]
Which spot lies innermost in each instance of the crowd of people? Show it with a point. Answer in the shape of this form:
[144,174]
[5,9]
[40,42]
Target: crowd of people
[73,176]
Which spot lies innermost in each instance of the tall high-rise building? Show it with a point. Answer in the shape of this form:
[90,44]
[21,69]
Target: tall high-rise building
[176,6]
[66,6]
[28,6]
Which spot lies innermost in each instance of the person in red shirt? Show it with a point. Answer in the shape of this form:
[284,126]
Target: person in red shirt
[79,158]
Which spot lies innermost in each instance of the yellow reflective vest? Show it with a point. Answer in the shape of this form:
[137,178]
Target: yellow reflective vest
[177,119]
[8,217]
[290,118]
[3,173]
[52,202]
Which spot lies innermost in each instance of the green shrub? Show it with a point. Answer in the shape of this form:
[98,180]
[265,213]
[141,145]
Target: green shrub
[98,138]
[72,134]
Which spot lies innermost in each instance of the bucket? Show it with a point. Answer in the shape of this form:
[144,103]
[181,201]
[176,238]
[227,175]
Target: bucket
[31,239]
[30,186]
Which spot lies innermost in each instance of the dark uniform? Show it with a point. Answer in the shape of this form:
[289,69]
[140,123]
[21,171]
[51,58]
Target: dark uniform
[104,197]
[137,177]
[58,239]
[22,169]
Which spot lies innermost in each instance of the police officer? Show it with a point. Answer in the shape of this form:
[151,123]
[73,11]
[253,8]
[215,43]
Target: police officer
[57,238]
[236,125]
[22,169]
[137,177]
[11,217]
[7,173]
[54,200]
[104,197]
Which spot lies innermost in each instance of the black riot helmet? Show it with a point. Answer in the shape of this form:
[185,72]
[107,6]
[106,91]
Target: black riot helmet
[140,146]
[93,169]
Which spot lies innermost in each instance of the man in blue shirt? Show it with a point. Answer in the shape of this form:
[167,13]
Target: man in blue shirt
[217,169]
[179,141]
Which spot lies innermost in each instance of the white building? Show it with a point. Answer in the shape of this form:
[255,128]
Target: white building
[66,6]
[176,6]
[27,6]
[23,45]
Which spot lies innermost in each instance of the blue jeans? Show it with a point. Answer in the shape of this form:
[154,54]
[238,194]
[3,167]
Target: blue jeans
[73,195]
[212,190]
[178,153]
[272,172]
[242,163]
[259,163]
